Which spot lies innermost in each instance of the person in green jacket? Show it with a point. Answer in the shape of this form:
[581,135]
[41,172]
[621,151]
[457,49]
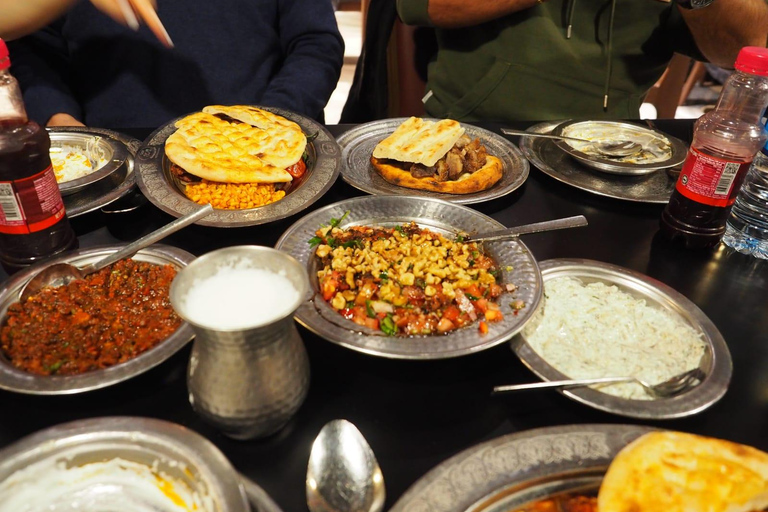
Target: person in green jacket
[530,60]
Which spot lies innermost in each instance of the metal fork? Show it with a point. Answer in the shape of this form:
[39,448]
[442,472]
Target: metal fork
[670,387]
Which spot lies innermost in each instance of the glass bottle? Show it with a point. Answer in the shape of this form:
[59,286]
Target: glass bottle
[725,141]
[33,223]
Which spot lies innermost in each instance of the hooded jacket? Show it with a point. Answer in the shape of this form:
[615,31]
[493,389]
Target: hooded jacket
[558,59]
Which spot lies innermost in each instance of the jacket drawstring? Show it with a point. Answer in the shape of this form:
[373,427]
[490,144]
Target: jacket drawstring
[610,55]
[571,10]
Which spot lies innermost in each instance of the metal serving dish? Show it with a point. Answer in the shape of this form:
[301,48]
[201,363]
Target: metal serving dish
[179,453]
[716,364]
[357,146]
[109,152]
[660,151]
[438,216]
[510,471]
[166,192]
[13,379]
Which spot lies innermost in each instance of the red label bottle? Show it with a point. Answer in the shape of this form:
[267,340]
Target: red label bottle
[33,223]
[724,144]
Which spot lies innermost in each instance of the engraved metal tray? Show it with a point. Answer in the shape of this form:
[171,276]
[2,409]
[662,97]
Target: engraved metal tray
[356,169]
[508,472]
[160,187]
[544,154]
[13,379]
[674,149]
[716,363]
[108,189]
[436,215]
[174,449]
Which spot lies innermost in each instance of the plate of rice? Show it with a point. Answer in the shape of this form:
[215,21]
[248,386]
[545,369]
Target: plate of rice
[602,320]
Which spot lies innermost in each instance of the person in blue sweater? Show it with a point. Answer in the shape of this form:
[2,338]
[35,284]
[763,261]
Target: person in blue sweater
[85,68]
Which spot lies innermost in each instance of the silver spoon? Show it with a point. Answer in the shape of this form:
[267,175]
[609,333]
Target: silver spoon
[670,387]
[61,274]
[615,148]
[343,474]
[526,229]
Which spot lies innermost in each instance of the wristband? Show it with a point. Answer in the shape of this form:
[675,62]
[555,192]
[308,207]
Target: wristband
[693,4]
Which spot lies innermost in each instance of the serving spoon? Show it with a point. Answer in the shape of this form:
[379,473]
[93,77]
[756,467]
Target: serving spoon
[614,148]
[343,474]
[526,229]
[670,387]
[60,274]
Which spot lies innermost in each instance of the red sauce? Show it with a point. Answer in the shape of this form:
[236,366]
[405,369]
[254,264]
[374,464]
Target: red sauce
[105,319]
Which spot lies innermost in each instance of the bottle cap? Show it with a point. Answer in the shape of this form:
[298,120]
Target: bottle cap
[5,61]
[753,60]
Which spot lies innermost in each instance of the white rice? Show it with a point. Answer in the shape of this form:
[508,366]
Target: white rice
[596,330]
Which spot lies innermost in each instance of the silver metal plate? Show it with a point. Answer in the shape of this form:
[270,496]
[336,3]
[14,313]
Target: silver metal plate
[177,451]
[356,169]
[716,364]
[507,472]
[674,148]
[112,187]
[436,215]
[654,188]
[157,184]
[13,379]
[112,151]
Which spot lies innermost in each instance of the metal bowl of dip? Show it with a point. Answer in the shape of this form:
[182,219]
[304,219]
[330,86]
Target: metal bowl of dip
[118,463]
[660,151]
[104,155]
[14,379]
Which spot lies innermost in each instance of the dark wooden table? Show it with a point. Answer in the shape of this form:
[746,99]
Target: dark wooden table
[417,414]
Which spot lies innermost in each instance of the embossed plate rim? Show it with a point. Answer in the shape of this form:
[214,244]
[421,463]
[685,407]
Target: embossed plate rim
[351,139]
[94,200]
[457,343]
[479,473]
[533,147]
[691,402]
[13,379]
[154,183]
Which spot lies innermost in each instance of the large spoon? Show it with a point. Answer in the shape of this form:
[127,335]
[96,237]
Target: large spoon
[342,474]
[614,148]
[526,229]
[61,274]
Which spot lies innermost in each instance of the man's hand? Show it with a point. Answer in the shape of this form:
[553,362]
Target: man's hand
[62,119]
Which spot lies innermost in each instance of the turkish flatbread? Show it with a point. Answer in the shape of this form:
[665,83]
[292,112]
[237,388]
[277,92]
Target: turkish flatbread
[482,179]
[252,146]
[677,472]
[420,141]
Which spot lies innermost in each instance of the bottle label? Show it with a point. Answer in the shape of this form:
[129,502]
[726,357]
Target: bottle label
[30,204]
[710,180]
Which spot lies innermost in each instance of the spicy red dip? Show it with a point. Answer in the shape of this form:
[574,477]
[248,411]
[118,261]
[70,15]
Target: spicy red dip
[105,319]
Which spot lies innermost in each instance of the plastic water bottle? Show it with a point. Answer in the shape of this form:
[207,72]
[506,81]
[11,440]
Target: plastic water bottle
[747,226]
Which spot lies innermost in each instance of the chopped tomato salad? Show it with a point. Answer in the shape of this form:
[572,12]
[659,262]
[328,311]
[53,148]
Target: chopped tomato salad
[406,280]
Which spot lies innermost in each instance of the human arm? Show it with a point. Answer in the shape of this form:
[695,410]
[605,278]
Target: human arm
[40,63]
[22,17]
[721,29]
[313,55]
[457,13]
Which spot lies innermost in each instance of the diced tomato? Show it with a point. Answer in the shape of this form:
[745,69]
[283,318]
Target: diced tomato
[483,327]
[330,285]
[493,315]
[495,290]
[473,290]
[298,169]
[481,305]
[445,325]
[346,313]
[373,323]
[452,313]
[367,291]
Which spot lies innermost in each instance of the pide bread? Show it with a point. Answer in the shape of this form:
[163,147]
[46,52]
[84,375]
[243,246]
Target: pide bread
[236,144]
[678,472]
[437,156]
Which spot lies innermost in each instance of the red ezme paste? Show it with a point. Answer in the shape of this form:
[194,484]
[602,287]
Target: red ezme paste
[107,318]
